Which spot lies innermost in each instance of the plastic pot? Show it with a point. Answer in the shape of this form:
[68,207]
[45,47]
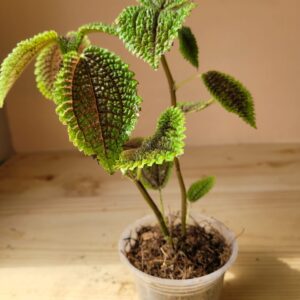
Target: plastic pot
[206,287]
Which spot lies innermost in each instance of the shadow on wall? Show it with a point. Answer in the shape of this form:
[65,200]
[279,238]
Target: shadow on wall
[5,144]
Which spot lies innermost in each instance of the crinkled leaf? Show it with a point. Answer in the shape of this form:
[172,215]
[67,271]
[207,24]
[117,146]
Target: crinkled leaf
[149,30]
[162,3]
[96,98]
[15,63]
[133,143]
[49,62]
[164,145]
[188,46]
[188,107]
[232,95]
[156,177]
[200,188]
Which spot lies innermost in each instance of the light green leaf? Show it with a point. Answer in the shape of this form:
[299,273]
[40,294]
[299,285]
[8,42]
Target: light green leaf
[48,63]
[96,27]
[232,95]
[164,145]
[15,63]
[96,98]
[149,31]
[200,188]
[188,46]
[157,176]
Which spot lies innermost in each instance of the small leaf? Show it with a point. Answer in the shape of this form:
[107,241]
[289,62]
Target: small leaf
[200,188]
[188,107]
[232,95]
[164,145]
[96,98]
[96,27]
[148,31]
[188,46]
[156,177]
[49,62]
[15,63]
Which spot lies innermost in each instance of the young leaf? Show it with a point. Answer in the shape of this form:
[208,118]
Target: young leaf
[96,27]
[148,31]
[232,95]
[96,98]
[164,145]
[15,63]
[188,107]
[201,187]
[156,177]
[188,46]
[49,62]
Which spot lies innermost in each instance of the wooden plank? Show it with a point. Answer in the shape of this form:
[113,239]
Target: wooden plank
[61,216]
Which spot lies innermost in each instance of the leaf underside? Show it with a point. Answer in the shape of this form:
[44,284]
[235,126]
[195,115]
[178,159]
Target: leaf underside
[200,188]
[148,30]
[164,145]
[156,177]
[48,64]
[188,46]
[96,98]
[15,63]
[232,95]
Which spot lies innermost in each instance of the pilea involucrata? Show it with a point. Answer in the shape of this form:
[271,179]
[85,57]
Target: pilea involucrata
[95,94]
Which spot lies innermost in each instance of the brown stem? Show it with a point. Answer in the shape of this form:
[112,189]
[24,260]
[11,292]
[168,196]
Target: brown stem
[172,88]
[155,209]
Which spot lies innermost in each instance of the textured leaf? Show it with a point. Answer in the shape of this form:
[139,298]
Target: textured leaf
[133,143]
[200,188]
[15,63]
[188,46]
[164,145]
[148,31]
[97,27]
[49,62]
[96,98]
[162,3]
[156,177]
[188,107]
[233,96]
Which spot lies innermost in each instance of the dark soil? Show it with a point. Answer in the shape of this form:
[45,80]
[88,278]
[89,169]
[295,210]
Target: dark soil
[200,252]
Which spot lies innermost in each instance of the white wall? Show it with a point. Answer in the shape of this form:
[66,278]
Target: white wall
[258,41]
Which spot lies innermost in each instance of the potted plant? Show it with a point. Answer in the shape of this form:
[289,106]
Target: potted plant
[95,94]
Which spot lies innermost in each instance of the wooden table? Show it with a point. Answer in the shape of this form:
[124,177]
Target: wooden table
[61,216]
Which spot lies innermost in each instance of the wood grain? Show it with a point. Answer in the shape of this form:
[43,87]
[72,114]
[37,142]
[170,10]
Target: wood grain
[61,216]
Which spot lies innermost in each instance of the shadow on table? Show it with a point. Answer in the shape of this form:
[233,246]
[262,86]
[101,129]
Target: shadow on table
[267,277]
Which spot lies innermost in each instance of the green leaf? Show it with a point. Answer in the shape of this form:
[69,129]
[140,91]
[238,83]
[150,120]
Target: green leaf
[96,98]
[156,177]
[200,188]
[15,63]
[232,95]
[164,145]
[188,46]
[188,107]
[148,31]
[48,63]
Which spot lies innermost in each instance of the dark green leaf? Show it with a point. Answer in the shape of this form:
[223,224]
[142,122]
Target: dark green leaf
[156,177]
[233,96]
[188,46]
[96,98]
[200,188]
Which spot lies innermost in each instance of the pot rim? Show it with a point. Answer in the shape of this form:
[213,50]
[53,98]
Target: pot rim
[180,282]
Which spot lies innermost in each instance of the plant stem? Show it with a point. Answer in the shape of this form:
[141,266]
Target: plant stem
[187,80]
[161,202]
[176,160]
[156,211]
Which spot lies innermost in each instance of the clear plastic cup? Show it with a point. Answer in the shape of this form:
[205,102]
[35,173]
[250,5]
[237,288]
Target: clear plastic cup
[206,287]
